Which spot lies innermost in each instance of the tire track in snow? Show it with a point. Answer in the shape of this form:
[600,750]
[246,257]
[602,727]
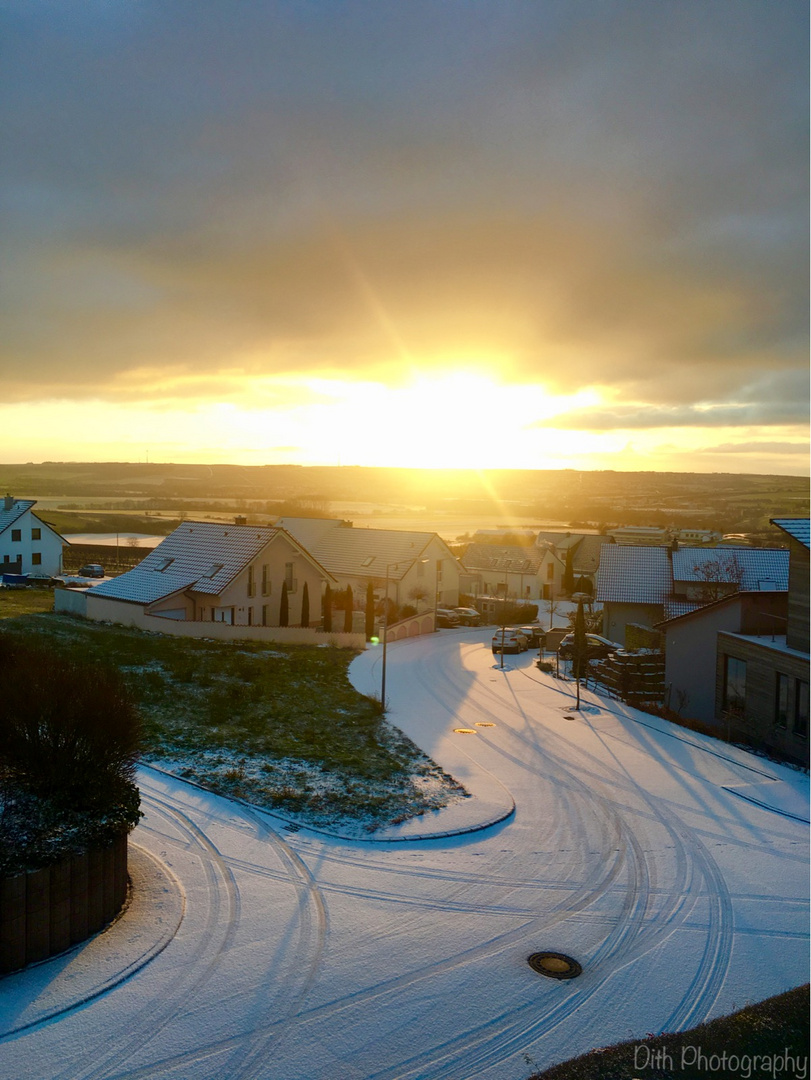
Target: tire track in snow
[217,935]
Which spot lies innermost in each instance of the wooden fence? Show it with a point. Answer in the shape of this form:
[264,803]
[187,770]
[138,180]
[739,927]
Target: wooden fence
[45,911]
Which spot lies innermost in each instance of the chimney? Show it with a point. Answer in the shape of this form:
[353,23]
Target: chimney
[240,520]
[8,502]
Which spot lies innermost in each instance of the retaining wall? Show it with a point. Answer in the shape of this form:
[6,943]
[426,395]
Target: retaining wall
[45,911]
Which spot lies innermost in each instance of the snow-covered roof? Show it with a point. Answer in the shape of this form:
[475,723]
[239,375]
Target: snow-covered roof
[747,568]
[367,552]
[634,575]
[15,511]
[797,528]
[202,554]
[515,560]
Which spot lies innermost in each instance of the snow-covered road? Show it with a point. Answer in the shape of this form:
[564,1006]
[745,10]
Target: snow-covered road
[673,868]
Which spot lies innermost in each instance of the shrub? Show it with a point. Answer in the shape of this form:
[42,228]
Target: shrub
[69,741]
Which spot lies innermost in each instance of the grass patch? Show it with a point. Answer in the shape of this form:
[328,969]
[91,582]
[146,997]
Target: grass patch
[30,601]
[768,1031]
[279,726]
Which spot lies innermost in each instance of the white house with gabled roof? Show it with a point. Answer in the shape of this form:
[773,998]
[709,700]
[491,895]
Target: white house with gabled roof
[421,569]
[211,572]
[27,544]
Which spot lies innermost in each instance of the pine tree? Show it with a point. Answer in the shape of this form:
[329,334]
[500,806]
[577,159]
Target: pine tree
[305,606]
[284,613]
[568,572]
[328,608]
[348,610]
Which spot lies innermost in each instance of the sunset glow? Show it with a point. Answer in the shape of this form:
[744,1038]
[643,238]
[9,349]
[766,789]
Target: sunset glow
[495,235]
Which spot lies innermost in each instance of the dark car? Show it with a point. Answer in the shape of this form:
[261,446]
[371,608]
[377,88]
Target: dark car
[468,616]
[446,618]
[535,634]
[597,647]
[92,570]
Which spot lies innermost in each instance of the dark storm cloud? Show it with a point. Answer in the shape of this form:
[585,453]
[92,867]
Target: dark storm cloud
[354,188]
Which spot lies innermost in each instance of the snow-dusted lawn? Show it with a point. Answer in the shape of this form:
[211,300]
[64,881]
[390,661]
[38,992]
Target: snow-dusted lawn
[634,846]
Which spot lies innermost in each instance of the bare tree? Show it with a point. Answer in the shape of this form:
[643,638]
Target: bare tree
[719,577]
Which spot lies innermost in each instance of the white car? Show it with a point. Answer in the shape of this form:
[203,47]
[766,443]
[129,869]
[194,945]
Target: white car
[510,639]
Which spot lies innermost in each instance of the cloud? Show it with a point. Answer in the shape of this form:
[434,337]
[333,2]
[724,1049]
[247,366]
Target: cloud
[237,193]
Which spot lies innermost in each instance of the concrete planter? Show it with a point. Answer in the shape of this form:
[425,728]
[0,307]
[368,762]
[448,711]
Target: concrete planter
[45,911]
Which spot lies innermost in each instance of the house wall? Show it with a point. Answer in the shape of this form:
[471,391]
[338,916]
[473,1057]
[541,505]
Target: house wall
[798,602]
[440,582]
[242,602]
[48,547]
[617,615]
[763,661]
[691,646]
[125,614]
[690,660]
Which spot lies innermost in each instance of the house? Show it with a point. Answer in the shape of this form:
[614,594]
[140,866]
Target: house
[690,642]
[633,585]
[207,572]
[762,680]
[639,534]
[585,547]
[419,567]
[518,573]
[27,544]
[648,585]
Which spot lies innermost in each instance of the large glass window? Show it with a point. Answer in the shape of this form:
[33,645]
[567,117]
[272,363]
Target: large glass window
[734,685]
[781,701]
[801,708]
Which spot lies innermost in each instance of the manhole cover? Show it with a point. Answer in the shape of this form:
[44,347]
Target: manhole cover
[484,723]
[465,730]
[554,964]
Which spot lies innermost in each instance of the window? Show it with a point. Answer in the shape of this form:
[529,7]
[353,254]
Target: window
[734,685]
[251,584]
[550,571]
[265,582]
[164,564]
[438,571]
[368,560]
[36,534]
[264,614]
[16,535]
[288,577]
[213,570]
[250,616]
[781,701]
[801,708]
[36,559]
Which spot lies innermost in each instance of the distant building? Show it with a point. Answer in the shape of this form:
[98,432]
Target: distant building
[517,573]
[421,569]
[639,534]
[27,544]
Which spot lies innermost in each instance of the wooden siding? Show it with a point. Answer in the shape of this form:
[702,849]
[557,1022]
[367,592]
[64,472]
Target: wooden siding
[763,663]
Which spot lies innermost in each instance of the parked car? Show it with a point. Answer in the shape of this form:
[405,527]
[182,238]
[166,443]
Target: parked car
[534,633]
[509,639]
[468,616]
[597,648]
[93,570]
[445,617]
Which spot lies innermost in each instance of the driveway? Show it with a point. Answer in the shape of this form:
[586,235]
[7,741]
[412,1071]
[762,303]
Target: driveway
[674,869]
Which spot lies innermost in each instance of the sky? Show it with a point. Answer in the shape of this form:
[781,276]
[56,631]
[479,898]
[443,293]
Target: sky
[511,233]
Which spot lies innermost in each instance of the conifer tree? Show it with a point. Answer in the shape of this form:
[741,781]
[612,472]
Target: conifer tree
[284,613]
[305,606]
[348,610]
[370,610]
[328,608]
